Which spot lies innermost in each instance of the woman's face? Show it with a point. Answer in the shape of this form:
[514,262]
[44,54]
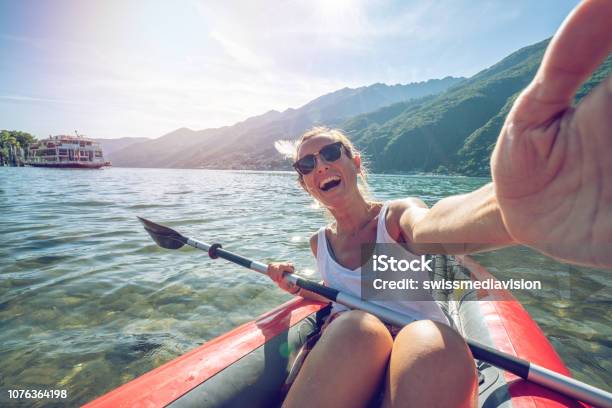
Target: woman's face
[332,183]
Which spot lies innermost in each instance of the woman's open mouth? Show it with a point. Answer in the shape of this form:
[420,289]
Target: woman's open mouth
[330,183]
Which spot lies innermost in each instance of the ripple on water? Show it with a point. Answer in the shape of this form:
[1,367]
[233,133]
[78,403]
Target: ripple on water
[179,192]
[147,206]
[46,261]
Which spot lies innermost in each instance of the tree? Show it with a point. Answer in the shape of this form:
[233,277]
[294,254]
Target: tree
[11,141]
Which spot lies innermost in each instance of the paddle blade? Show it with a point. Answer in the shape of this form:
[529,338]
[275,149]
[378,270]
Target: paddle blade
[164,237]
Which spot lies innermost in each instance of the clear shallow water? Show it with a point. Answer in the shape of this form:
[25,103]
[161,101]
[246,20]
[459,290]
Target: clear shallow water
[88,301]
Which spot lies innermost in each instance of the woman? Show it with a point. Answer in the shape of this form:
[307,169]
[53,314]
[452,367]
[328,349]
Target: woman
[425,363]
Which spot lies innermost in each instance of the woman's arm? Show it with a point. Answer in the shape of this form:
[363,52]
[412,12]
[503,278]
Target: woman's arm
[458,224]
[276,270]
[306,293]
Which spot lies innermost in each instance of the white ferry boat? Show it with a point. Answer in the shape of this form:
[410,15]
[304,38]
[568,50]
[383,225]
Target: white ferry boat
[67,152]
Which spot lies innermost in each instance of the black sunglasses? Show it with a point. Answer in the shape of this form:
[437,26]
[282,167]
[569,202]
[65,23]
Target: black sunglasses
[329,153]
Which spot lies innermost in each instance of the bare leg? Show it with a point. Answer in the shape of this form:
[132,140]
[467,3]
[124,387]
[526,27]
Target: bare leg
[345,367]
[430,366]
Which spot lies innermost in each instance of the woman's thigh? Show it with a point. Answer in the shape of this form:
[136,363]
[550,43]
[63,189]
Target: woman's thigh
[346,365]
[430,365]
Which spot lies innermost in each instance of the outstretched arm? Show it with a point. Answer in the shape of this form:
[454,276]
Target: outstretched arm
[551,164]
[459,224]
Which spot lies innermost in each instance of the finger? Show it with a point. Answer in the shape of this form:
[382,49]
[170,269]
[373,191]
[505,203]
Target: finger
[274,272]
[593,117]
[582,42]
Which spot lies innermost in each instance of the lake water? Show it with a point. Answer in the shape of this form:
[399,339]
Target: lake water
[88,301]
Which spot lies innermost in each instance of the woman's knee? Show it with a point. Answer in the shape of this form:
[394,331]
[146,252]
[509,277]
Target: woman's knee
[426,354]
[359,331]
[346,365]
[433,345]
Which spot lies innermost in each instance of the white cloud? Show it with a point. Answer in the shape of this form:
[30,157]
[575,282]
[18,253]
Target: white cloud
[142,71]
[243,60]
[242,55]
[33,99]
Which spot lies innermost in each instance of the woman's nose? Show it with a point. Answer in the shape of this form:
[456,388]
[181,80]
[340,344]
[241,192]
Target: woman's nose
[321,166]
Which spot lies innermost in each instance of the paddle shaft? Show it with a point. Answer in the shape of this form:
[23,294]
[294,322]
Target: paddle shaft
[520,367]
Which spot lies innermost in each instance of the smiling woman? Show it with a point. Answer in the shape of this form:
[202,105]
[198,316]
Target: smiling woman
[329,153]
[330,170]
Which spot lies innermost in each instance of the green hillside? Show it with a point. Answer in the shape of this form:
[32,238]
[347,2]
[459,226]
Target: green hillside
[475,154]
[454,131]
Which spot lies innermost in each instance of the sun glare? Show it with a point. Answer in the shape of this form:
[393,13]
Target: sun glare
[332,9]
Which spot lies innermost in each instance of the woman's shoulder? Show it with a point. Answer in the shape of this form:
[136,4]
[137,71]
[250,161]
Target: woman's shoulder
[396,209]
[314,238]
[314,242]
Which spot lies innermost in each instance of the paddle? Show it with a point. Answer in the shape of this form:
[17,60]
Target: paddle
[170,239]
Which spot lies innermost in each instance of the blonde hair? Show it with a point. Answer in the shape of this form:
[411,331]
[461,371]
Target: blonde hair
[290,150]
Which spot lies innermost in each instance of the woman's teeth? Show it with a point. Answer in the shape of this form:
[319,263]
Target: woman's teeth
[329,182]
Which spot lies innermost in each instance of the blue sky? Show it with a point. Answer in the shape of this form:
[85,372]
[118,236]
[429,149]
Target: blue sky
[144,68]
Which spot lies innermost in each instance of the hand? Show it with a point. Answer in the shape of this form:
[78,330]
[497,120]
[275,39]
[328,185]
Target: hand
[552,165]
[277,270]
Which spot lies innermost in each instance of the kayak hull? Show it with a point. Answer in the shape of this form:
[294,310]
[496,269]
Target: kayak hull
[248,365]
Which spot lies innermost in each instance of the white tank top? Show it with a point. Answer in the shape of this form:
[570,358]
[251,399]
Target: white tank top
[349,280]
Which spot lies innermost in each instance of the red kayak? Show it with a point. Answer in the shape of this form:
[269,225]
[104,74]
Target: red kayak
[248,365]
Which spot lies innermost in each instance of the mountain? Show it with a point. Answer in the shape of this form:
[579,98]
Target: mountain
[447,125]
[109,146]
[454,131]
[150,153]
[249,144]
[350,102]
[427,136]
